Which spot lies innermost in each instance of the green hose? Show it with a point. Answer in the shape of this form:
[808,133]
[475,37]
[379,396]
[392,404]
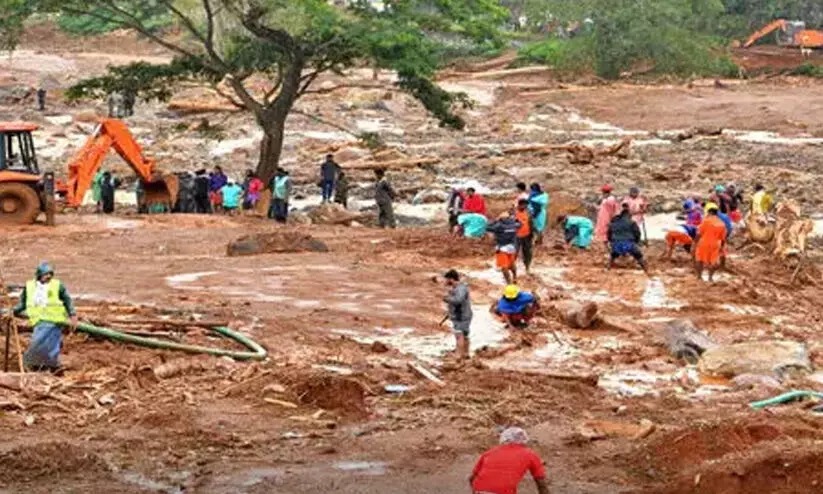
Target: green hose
[257,352]
[784,398]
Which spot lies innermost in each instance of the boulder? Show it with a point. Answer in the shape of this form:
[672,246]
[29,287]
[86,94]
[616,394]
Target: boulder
[430,196]
[755,357]
[578,315]
[277,242]
[685,341]
[15,94]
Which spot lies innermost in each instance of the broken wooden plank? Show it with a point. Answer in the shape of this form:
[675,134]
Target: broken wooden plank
[392,164]
[425,373]
[282,403]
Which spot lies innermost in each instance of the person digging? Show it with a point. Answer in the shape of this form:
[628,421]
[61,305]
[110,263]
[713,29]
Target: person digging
[459,306]
[516,308]
[49,308]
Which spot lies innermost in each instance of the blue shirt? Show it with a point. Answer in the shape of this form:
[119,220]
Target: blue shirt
[726,221]
[474,225]
[516,306]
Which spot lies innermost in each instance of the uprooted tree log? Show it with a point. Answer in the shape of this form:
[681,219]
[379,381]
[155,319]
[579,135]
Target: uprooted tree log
[577,154]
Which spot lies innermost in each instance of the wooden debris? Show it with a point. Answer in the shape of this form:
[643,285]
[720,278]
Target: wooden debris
[180,366]
[282,403]
[391,165]
[698,131]
[425,373]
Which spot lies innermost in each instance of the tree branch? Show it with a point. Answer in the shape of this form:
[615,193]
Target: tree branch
[240,90]
[317,119]
[228,97]
[130,21]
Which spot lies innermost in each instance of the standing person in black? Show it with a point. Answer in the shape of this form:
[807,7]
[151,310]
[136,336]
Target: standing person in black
[201,192]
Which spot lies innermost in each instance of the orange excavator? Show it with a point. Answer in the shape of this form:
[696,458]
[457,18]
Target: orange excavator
[789,33]
[24,192]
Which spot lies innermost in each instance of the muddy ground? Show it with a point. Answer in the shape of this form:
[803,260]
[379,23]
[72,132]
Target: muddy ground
[610,410]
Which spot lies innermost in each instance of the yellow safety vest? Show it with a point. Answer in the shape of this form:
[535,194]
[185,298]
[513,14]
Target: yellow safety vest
[53,311]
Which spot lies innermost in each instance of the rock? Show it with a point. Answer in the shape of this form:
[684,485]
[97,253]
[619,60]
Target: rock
[332,214]
[277,242]
[576,314]
[685,341]
[60,119]
[86,116]
[430,196]
[751,381]
[15,94]
[755,357]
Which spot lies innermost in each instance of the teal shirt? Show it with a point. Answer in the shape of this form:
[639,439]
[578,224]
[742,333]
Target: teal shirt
[474,225]
[540,203]
[282,187]
[585,229]
[231,195]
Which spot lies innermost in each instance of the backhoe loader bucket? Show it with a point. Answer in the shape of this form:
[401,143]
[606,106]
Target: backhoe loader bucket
[161,192]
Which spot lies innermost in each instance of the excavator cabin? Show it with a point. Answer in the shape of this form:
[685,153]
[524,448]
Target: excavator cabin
[21,187]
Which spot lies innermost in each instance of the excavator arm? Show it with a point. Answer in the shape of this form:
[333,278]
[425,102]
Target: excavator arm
[765,31]
[113,134]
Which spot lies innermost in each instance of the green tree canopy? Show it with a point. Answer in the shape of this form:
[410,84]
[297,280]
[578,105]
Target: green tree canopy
[291,43]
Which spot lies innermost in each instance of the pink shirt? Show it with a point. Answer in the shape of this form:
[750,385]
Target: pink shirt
[637,207]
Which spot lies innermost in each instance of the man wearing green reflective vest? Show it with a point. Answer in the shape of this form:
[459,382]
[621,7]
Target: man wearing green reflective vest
[48,306]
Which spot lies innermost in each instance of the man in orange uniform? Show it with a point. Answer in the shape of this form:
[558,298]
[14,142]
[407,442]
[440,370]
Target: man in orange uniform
[710,241]
[500,469]
[525,238]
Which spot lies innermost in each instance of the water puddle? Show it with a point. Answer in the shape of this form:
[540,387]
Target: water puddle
[654,296]
[632,382]
[179,280]
[374,468]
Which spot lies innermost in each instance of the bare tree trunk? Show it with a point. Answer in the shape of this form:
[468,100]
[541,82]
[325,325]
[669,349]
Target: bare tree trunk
[270,150]
[273,121]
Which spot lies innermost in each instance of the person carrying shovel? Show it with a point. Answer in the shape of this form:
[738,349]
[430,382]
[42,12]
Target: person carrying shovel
[459,306]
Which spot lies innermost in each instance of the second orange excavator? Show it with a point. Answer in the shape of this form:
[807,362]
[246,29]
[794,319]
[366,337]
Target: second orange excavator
[113,134]
[24,193]
[789,33]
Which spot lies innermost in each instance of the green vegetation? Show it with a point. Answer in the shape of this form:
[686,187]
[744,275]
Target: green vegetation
[223,43]
[86,25]
[808,70]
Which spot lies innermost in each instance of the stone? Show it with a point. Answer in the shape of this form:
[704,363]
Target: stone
[685,341]
[575,314]
[278,242]
[430,196]
[771,358]
[15,94]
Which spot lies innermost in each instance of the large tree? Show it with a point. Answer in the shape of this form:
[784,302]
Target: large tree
[230,43]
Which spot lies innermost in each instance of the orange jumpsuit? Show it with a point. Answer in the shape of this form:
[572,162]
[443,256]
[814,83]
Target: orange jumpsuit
[712,233]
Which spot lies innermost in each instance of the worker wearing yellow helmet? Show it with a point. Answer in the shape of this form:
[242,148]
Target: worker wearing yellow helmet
[516,307]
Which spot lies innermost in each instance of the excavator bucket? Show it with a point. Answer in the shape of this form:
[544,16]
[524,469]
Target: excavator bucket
[160,192]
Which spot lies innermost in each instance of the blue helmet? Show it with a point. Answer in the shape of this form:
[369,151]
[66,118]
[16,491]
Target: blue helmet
[43,269]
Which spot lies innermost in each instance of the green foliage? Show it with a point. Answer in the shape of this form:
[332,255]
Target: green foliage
[85,25]
[12,15]
[808,70]
[573,56]
[148,81]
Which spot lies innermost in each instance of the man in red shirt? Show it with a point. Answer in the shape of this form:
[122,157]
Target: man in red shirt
[474,203]
[500,469]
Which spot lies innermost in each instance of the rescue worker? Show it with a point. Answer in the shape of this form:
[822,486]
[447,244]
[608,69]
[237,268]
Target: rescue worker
[472,225]
[637,208]
[761,200]
[682,236]
[384,195]
[624,238]
[328,177]
[729,224]
[230,195]
[500,469]
[217,180]
[474,202]
[516,308]
[454,206]
[341,190]
[577,230]
[96,190]
[521,193]
[505,238]
[280,192]
[201,192]
[252,186]
[609,208]
[459,306]
[539,207]
[48,306]
[709,243]
[108,186]
[525,234]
